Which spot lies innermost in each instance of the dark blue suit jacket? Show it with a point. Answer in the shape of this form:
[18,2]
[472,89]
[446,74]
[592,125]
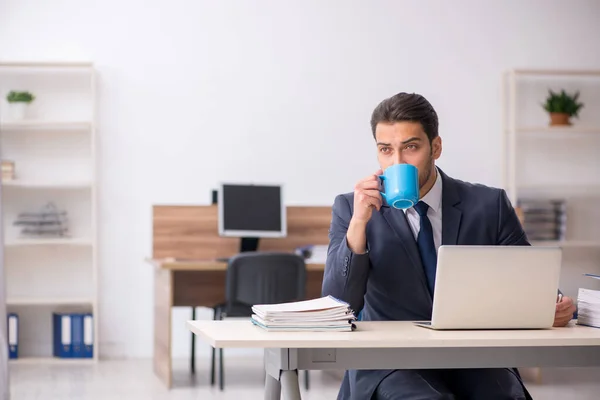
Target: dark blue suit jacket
[388,283]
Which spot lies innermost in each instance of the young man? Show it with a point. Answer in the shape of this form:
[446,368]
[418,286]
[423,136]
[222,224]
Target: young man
[382,260]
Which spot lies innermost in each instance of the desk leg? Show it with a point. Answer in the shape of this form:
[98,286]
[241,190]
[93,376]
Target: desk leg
[281,366]
[163,301]
[272,388]
[289,385]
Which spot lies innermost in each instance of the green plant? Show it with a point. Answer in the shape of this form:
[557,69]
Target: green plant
[19,97]
[562,103]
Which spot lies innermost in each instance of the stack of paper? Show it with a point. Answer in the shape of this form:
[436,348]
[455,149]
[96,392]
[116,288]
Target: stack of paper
[48,222]
[588,306]
[323,314]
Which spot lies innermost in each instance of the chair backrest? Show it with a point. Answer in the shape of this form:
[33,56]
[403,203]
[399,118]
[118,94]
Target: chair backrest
[264,278]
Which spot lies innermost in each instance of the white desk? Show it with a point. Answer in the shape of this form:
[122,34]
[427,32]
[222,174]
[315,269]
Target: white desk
[400,345]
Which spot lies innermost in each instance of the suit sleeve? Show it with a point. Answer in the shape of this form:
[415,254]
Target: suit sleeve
[346,273]
[510,231]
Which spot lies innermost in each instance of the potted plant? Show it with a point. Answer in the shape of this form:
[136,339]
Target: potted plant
[18,103]
[562,106]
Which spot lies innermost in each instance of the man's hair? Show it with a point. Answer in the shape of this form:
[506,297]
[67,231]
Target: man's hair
[407,107]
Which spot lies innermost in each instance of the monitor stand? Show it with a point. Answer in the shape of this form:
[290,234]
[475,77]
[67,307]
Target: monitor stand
[248,244]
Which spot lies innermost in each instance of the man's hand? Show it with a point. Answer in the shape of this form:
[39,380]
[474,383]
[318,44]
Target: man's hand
[366,198]
[564,311]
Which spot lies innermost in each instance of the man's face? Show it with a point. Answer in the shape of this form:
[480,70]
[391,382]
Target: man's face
[406,143]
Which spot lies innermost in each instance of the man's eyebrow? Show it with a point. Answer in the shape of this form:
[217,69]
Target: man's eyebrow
[412,139]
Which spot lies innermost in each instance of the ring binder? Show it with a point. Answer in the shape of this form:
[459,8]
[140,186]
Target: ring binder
[13,335]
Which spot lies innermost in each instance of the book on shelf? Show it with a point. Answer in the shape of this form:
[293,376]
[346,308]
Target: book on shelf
[318,315]
[588,305]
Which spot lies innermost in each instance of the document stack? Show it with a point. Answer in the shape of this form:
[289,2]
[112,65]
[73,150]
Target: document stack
[543,219]
[317,315]
[588,306]
[48,222]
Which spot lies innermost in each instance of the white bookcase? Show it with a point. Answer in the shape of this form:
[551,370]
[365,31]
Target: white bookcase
[543,161]
[54,152]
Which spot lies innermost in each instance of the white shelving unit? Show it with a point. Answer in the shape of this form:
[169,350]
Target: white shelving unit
[54,151]
[52,361]
[561,162]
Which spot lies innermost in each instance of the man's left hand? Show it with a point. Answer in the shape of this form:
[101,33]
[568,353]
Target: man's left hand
[564,311]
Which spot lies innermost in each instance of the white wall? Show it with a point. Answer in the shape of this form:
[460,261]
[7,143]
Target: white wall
[193,92]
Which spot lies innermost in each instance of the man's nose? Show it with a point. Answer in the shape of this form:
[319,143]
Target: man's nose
[398,158]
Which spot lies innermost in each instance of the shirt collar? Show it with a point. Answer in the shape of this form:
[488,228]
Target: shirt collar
[433,198]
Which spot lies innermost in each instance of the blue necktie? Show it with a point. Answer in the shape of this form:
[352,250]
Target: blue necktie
[426,245]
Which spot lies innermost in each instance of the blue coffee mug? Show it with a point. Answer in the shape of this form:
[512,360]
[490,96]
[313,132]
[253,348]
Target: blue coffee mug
[401,184]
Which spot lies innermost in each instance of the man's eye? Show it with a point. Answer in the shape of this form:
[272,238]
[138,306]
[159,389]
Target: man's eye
[411,147]
[385,149]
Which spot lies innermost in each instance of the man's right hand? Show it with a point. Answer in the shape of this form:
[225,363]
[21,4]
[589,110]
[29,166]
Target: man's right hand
[366,198]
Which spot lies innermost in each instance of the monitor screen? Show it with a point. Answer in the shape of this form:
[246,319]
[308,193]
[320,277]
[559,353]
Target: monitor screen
[251,210]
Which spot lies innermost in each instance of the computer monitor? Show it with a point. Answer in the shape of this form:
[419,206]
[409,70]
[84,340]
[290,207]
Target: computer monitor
[251,212]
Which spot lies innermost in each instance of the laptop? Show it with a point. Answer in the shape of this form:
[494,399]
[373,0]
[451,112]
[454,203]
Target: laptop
[495,287]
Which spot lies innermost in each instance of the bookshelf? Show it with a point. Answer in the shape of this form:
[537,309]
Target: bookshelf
[46,126]
[542,162]
[52,361]
[49,242]
[51,184]
[54,301]
[53,149]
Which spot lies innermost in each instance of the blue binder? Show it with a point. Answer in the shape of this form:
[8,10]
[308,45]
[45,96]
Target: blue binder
[13,335]
[88,335]
[62,326]
[77,335]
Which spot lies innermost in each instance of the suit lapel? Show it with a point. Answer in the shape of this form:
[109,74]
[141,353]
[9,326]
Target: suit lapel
[451,213]
[397,221]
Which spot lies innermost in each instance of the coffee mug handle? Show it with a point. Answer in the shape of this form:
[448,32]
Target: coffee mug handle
[382,177]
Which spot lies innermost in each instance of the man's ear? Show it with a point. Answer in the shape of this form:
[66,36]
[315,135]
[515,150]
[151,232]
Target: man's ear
[436,147]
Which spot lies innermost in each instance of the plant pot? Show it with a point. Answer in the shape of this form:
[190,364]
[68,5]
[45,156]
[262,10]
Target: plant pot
[559,119]
[17,111]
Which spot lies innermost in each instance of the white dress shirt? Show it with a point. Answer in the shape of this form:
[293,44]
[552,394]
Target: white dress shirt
[433,199]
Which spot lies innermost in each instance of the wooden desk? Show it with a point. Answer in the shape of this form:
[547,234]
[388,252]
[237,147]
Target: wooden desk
[400,345]
[206,265]
[202,283]
[195,284]
[185,247]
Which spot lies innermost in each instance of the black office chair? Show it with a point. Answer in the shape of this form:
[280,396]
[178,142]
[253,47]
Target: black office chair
[259,278]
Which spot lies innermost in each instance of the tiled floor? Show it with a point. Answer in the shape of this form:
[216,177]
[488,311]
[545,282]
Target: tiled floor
[134,380]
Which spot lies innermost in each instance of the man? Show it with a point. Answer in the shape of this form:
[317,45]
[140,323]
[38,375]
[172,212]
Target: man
[379,258]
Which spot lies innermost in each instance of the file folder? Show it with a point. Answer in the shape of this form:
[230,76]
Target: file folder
[13,335]
[77,335]
[62,335]
[88,336]
[73,334]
